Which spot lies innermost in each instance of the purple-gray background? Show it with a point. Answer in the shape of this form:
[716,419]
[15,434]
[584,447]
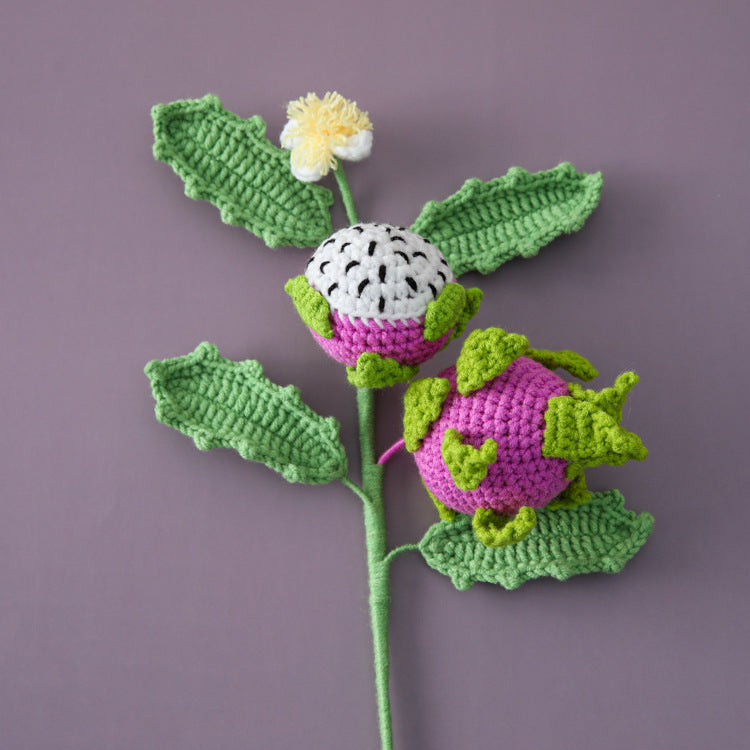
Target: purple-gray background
[153,596]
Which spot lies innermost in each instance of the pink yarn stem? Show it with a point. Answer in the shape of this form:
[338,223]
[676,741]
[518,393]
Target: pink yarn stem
[397,446]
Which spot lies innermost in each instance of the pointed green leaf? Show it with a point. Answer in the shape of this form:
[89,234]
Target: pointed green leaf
[485,224]
[225,404]
[423,403]
[229,162]
[485,354]
[444,312]
[599,537]
[311,305]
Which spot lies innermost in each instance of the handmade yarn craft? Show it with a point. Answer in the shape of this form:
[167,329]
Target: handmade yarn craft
[500,440]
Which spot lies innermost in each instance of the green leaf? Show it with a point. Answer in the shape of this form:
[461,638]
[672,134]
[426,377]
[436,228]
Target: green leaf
[225,404]
[486,224]
[600,536]
[229,161]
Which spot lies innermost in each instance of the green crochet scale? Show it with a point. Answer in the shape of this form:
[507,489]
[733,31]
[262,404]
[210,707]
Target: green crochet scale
[227,160]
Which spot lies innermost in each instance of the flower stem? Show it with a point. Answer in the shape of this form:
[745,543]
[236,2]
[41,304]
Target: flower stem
[377,560]
[346,193]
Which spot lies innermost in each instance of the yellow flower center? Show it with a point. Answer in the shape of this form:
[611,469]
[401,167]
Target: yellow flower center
[322,125]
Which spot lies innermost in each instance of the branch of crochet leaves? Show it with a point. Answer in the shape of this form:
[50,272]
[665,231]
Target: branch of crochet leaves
[501,441]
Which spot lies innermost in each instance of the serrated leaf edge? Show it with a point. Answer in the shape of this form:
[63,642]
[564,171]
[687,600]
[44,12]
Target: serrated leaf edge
[164,151]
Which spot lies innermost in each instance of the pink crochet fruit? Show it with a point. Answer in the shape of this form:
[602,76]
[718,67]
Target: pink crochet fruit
[381,300]
[499,434]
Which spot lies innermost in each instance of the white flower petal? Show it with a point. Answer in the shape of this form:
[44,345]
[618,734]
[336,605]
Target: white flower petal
[288,141]
[356,148]
[305,173]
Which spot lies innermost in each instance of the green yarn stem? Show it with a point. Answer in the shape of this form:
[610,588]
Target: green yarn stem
[346,193]
[377,559]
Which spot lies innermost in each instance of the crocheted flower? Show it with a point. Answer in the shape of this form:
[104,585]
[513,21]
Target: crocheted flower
[381,300]
[499,434]
[319,130]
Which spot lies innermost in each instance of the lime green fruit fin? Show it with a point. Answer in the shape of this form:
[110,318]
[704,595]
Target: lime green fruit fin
[445,513]
[494,530]
[311,306]
[423,403]
[229,162]
[609,400]
[474,297]
[374,371]
[485,354]
[585,435]
[468,465]
[444,312]
[486,224]
[575,494]
[572,362]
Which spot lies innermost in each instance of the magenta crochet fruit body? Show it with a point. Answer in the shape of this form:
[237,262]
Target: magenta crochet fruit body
[509,410]
[499,434]
[388,294]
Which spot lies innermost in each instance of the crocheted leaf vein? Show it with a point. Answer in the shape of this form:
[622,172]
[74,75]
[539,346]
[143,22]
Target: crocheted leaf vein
[486,224]
[599,537]
[229,162]
[221,403]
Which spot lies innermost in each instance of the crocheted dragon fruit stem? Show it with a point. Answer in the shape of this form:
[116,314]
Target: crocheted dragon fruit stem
[377,562]
[346,194]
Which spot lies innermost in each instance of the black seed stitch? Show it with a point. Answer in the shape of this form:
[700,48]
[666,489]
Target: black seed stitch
[397,237]
[344,246]
[329,241]
[402,254]
[403,229]
[362,285]
[444,261]
[371,247]
[418,252]
[324,264]
[387,230]
[358,228]
[411,283]
[433,290]
[381,304]
[441,275]
[351,265]
[381,273]
[332,287]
